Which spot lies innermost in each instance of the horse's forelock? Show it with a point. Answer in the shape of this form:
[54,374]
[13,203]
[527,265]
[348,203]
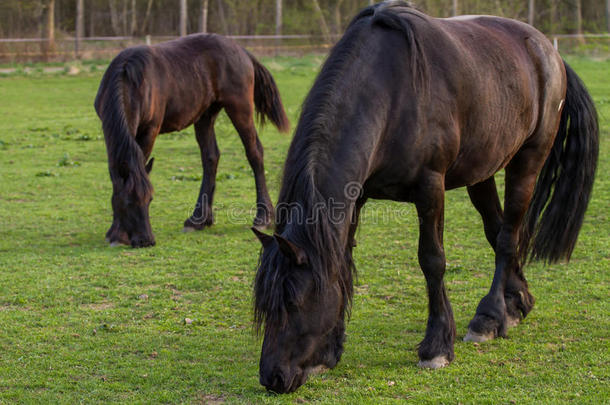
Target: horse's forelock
[269,296]
[135,183]
[328,262]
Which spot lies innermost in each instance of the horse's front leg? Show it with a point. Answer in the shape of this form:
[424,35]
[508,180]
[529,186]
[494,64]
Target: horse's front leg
[436,350]
[353,226]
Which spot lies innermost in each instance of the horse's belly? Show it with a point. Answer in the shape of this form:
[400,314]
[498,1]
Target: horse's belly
[469,169]
[184,106]
[487,146]
[178,120]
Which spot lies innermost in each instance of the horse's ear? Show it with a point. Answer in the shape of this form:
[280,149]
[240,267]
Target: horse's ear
[295,253]
[265,239]
[149,165]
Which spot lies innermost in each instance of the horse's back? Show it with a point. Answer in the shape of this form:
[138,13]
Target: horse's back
[221,57]
[197,71]
[504,80]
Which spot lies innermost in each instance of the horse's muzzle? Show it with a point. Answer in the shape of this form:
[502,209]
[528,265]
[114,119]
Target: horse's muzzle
[283,383]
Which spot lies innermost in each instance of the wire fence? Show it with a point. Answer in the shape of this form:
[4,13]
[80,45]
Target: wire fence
[63,49]
[22,50]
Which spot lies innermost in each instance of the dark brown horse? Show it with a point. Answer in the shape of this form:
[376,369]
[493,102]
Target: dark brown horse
[167,87]
[405,107]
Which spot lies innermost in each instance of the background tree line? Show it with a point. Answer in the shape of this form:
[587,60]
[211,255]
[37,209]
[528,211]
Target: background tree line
[41,18]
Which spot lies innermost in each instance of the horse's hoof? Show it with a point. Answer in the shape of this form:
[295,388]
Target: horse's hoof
[262,224]
[115,243]
[478,337]
[191,225]
[142,243]
[435,363]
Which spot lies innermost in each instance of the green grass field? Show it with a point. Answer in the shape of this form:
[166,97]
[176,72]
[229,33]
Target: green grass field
[83,322]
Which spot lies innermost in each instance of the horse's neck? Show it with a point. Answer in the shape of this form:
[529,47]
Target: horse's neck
[334,184]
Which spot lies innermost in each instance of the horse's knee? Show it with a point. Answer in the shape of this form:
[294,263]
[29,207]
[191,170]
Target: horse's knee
[433,265]
[211,159]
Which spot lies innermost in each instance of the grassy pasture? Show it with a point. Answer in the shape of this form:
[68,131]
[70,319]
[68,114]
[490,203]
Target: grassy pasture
[82,322]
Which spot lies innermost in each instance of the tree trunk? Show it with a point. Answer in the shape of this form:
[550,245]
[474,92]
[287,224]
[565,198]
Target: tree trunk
[124,18]
[91,24]
[554,17]
[223,20]
[338,24]
[278,17]
[183,14]
[203,19]
[147,17]
[579,21]
[80,26]
[114,17]
[454,8]
[323,25]
[48,45]
[531,12]
[608,15]
[134,19]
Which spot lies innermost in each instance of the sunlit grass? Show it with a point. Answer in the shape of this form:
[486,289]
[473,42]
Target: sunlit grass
[82,322]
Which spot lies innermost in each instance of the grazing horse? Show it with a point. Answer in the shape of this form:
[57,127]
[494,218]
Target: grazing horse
[148,90]
[405,107]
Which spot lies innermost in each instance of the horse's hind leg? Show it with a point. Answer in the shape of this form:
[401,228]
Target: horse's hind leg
[242,115]
[436,350]
[509,300]
[206,138]
[484,197]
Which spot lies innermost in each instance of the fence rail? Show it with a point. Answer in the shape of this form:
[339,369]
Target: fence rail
[557,37]
[68,48]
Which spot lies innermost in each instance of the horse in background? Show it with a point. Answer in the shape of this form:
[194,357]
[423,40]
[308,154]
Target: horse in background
[148,90]
[405,107]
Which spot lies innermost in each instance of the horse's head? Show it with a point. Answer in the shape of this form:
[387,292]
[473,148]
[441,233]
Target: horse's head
[131,197]
[303,315]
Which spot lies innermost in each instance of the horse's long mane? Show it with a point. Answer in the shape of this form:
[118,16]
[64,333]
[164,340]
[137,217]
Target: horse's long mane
[298,214]
[125,74]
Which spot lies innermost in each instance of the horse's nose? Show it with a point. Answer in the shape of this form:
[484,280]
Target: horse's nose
[274,381]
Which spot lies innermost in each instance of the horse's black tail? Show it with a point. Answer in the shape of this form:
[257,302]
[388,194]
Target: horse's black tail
[125,72]
[566,180]
[267,97]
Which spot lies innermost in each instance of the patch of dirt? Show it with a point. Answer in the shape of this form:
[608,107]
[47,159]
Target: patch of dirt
[211,399]
[98,306]
[10,307]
